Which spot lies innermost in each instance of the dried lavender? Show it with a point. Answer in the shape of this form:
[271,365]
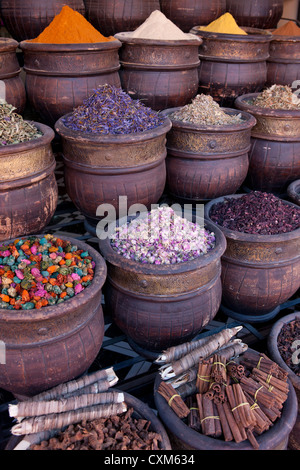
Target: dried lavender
[13,129]
[256,213]
[109,110]
[278,97]
[204,110]
[162,238]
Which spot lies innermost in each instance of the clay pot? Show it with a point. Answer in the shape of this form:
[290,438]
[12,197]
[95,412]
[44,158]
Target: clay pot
[275,143]
[59,77]
[188,13]
[158,306]
[54,344]
[294,192]
[283,65]
[28,187]
[14,89]
[163,74]
[232,65]
[101,168]
[26,19]
[205,162]
[259,272]
[113,16]
[256,14]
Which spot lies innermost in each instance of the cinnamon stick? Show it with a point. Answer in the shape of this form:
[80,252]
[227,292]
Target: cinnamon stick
[173,399]
[224,422]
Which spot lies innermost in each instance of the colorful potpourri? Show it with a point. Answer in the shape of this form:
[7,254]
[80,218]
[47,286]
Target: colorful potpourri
[110,110]
[162,237]
[36,272]
[13,129]
[278,97]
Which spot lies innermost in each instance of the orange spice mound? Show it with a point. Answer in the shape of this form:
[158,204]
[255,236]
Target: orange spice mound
[288,29]
[70,27]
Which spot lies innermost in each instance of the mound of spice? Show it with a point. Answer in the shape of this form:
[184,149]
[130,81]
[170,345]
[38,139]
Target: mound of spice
[110,110]
[162,237]
[13,129]
[203,110]
[225,24]
[288,29]
[256,213]
[278,97]
[36,272]
[119,432]
[288,344]
[70,27]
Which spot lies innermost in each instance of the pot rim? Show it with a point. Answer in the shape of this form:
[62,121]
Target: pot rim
[85,137]
[7,44]
[118,260]
[256,34]
[273,347]
[241,103]
[249,122]
[27,46]
[63,308]
[248,237]
[45,139]
[293,191]
[125,38]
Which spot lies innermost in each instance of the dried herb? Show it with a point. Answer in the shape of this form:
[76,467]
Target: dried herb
[289,333]
[278,97]
[256,213]
[13,129]
[109,110]
[203,110]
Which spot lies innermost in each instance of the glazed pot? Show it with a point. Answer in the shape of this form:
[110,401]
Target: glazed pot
[283,65]
[259,272]
[28,187]
[59,77]
[256,14]
[188,13]
[185,438]
[275,144]
[161,73]
[294,192]
[158,306]
[26,19]
[231,64]
[54,344]
[113,16]
[14,92]
[205,162]
[101,168]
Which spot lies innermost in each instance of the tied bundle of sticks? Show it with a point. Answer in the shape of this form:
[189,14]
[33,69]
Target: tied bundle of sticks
[87,398]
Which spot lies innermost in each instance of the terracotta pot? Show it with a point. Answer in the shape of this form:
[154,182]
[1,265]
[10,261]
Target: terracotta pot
[256,14]
[275,143]
[259,272]
[54,344]
[294,192]
[158,306]
[59,77]
[205,162]
[26,19]
[163,74]
[232,65]
[28,187]
[14,91]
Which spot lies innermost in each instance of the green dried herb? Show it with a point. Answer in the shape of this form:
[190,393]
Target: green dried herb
[13,129]
[278,97]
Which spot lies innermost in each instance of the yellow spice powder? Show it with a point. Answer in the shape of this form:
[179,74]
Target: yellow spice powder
[225,24]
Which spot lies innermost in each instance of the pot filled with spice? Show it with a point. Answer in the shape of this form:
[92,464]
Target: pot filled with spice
[51,318]
[273,164]
[25,19]
[113,16]
[261,265]
[159,63]
[283,346]
[284,61]
[66,62]
[207,149]
[294,192]
[232,59]
[215,393]
[89,413]
[14,89]
[256,14]
[28,187]
[163,282]
[113,147]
